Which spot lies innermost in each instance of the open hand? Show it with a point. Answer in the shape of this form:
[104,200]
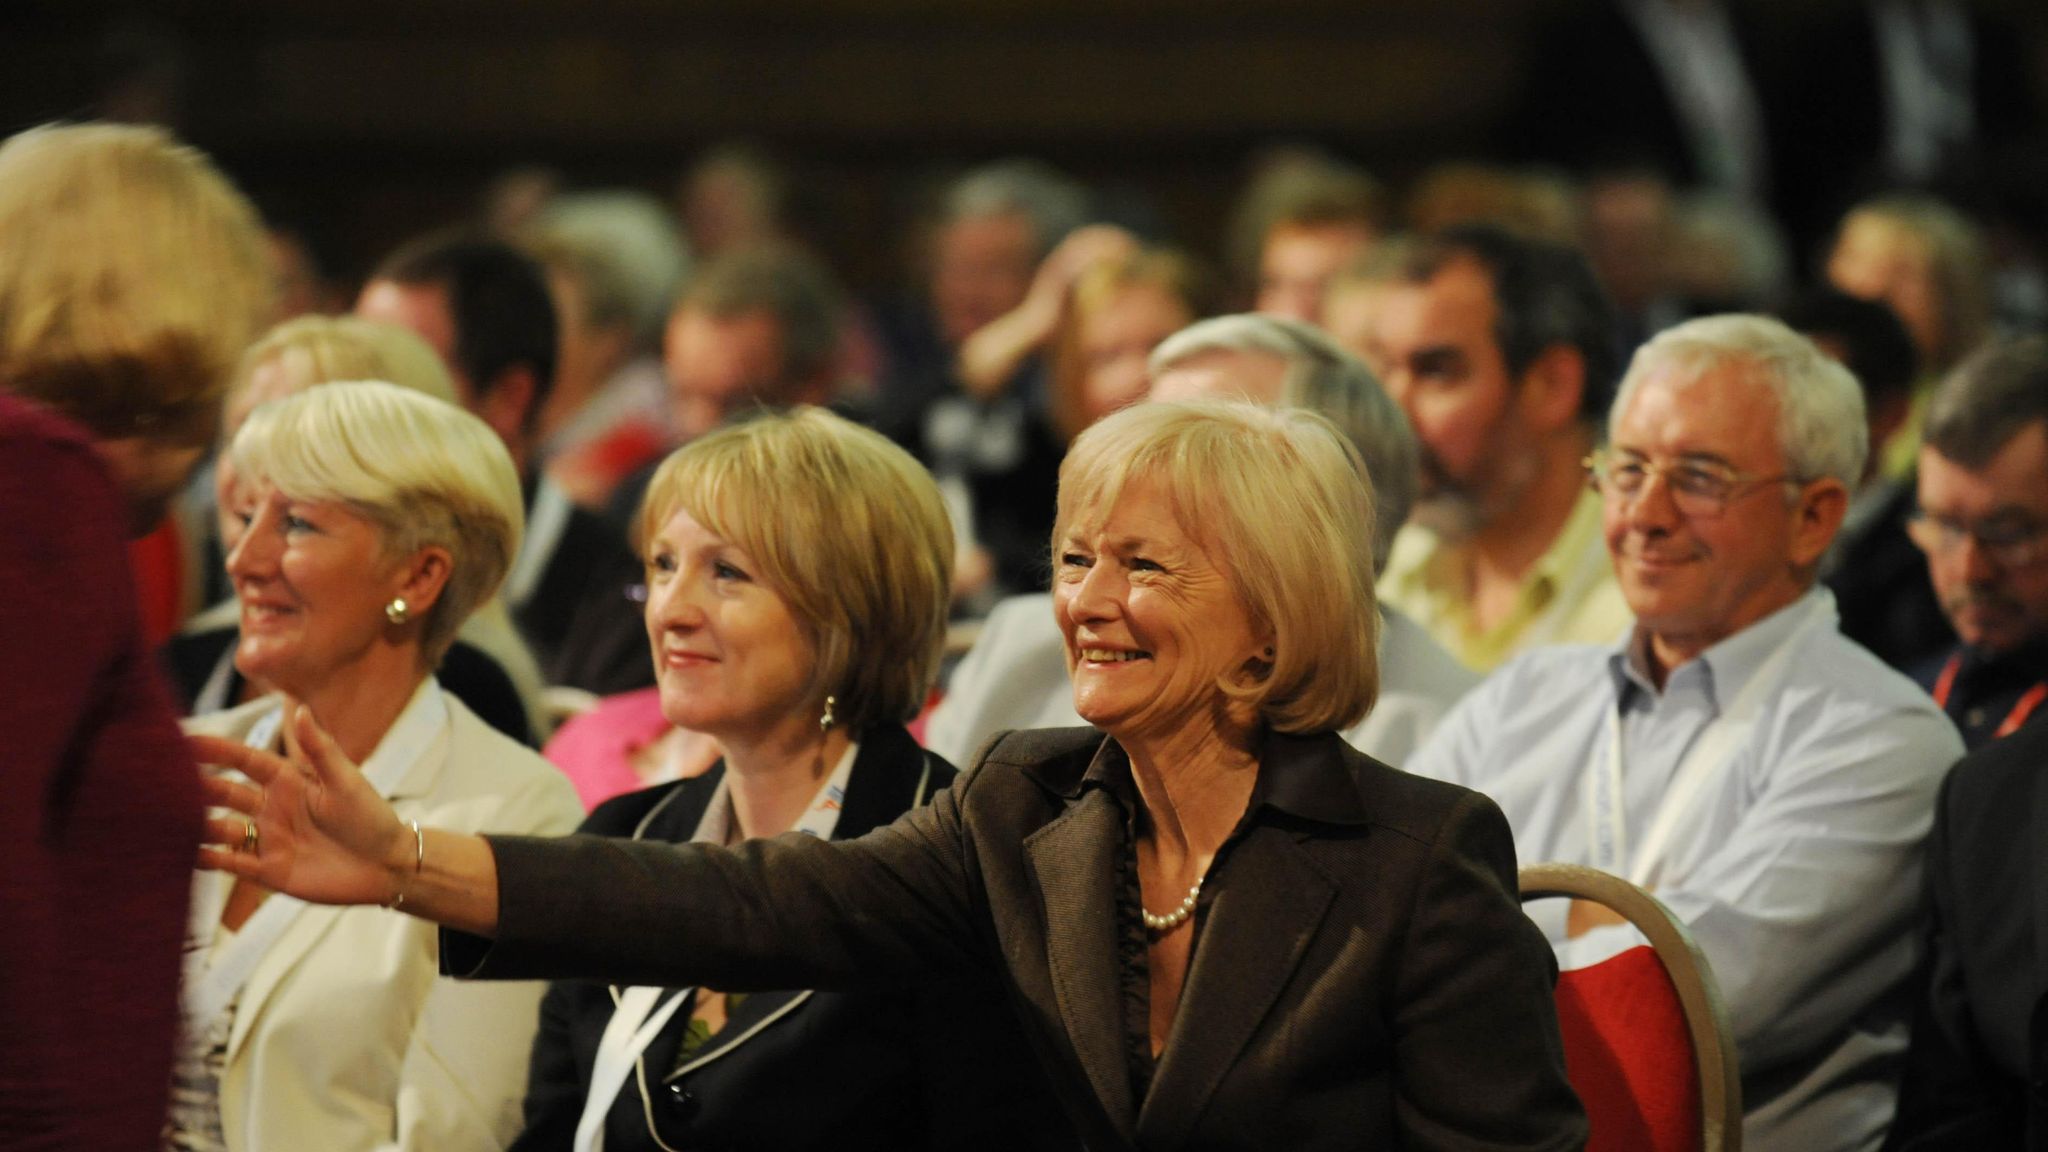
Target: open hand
[321,832]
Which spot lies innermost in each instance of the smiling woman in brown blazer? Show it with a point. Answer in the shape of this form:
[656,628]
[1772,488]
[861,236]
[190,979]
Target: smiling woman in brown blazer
[1219,926]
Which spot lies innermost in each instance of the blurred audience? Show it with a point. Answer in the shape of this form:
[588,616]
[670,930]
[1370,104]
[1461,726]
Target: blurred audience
[1117,312]
[1925,261]
[615,262]
[1318,217]
[975,413]
[375,520]
[757,327]
[1532,201]
[1879,577]
[488,667]
[1767,779]
[1016,675]
[1500,349]
[133,275]
[735,196]
[1983,522]
[486,309]
[992,229]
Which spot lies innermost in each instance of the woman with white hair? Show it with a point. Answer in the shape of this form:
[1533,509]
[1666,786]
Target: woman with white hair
[488,666]
[1219,925]
[375,521]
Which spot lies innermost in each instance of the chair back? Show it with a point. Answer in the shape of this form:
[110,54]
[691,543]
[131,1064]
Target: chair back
[1646,1039]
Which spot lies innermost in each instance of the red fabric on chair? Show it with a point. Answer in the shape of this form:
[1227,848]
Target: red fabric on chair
[1629,1054]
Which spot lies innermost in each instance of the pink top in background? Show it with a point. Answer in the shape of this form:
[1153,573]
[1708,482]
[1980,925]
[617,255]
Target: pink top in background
[595,749]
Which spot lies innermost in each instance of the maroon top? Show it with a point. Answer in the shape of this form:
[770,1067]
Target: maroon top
[99,810]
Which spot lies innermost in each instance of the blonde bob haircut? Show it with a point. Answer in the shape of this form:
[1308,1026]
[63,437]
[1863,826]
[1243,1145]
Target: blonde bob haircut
[1280,498]
[311,350]
[846,527]
[427,473]
[133,276]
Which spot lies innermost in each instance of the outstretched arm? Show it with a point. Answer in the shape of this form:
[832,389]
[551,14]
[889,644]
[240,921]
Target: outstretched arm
[321,833]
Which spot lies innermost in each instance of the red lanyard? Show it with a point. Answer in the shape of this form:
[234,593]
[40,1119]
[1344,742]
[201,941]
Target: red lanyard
[2013,719]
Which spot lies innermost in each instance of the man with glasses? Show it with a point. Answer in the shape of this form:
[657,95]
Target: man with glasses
[1983,522]
[1973,1073]
[1769,780]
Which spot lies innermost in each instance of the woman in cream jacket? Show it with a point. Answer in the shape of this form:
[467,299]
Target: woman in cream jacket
[376,520]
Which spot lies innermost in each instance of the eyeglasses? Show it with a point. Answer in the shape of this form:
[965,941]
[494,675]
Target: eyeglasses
[1700,488]
[2010,544]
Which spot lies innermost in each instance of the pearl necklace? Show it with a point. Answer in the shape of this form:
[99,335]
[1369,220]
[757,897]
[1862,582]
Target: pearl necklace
[1161,925]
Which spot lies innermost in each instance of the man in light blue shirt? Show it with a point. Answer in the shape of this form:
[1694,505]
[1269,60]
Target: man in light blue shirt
[1768,779]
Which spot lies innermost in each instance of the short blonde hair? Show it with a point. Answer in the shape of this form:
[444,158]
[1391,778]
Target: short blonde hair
[846,527]
[313,350]
[424,471]
[1279,496]
[134,275]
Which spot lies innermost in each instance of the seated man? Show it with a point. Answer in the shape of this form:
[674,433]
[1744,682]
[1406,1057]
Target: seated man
[1016,676]
[1983,522]
[1971,1073]
[1768,779]
[1500,348]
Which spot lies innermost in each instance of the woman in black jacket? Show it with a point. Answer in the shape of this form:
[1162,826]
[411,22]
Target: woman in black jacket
[800,634]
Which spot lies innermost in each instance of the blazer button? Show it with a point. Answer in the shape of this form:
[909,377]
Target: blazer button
[681,1101]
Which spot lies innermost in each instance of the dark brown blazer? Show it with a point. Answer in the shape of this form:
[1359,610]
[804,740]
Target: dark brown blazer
[1363,976]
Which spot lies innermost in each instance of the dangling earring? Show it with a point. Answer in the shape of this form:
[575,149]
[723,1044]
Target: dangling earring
[397,611]
[826,721]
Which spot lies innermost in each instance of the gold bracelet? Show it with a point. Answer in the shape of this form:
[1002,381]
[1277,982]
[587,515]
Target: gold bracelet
[419,864]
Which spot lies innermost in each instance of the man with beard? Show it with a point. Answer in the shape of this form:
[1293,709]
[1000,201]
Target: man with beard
[1767,778]
[1501,350]
[1983,522]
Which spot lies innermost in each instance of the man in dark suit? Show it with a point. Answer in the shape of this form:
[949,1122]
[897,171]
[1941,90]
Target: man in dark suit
[485,308]
[1983,522]
[1980,1033]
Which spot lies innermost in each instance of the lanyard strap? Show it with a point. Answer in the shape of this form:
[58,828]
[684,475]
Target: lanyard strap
[636,1020]
[211,987]
[1945,684]
[1606,818]
[634,1024]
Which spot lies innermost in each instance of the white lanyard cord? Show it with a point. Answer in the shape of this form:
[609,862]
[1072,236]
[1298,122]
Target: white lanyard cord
[635,1020]
[1606,820]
